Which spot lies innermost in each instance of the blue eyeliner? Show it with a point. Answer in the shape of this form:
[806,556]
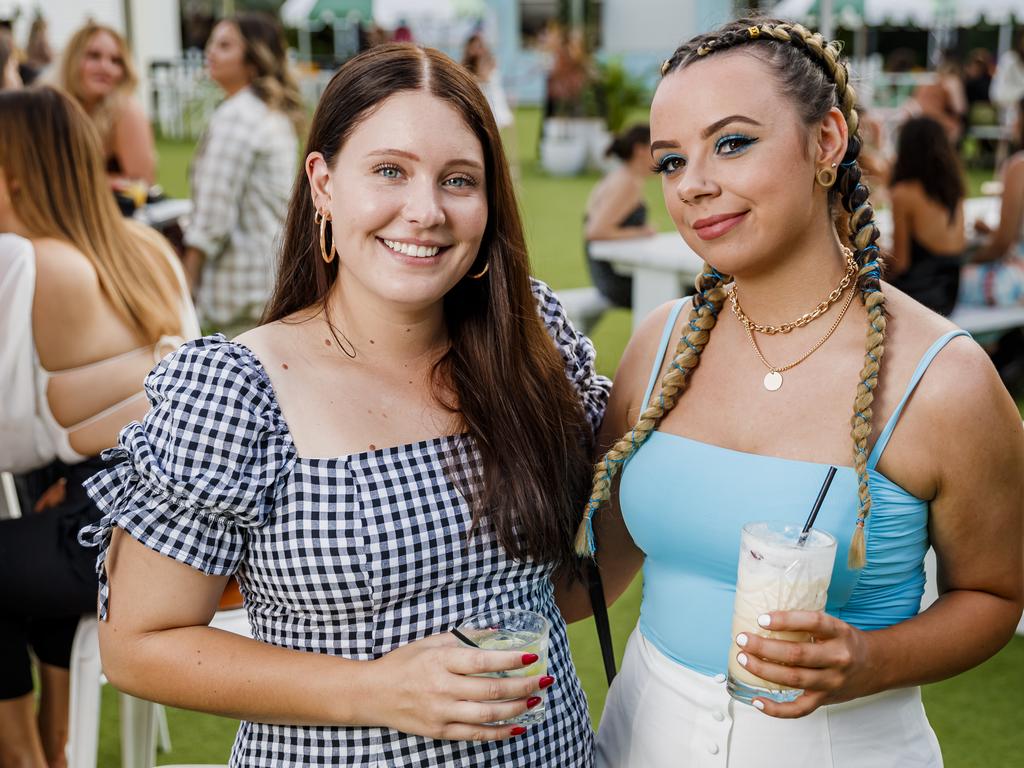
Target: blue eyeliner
[662,165]
[745,140]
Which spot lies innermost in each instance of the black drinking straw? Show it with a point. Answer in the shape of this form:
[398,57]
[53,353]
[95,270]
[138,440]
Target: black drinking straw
[463,638]
[817,505]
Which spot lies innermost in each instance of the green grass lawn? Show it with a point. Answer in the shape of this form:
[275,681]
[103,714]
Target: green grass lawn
[977,715]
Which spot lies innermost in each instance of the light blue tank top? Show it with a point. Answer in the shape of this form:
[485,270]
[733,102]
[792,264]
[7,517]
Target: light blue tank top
[684,503]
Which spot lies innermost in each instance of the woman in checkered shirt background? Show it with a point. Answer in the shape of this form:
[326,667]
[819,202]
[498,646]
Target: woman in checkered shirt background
[403,316]
[242,173]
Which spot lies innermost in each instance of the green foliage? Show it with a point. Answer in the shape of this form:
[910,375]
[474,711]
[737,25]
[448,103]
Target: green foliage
[620,93]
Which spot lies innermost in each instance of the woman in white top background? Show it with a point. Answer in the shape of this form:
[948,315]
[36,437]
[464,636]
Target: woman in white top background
[89,301]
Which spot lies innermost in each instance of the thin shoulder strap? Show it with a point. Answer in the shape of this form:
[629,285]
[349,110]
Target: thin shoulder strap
[933,350]
[666,336]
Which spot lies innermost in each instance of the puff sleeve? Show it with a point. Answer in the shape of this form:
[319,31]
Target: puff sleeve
[578,353]
[202,468]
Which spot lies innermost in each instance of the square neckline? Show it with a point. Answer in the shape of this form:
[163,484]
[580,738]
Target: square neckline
[286,430]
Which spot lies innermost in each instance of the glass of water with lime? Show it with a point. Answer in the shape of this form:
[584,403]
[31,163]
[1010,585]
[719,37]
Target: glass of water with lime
[513,630]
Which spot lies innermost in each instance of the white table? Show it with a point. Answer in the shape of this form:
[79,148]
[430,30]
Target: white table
[660,265]
[663,264]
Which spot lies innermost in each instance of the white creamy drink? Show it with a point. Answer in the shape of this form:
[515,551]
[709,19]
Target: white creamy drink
[775,574]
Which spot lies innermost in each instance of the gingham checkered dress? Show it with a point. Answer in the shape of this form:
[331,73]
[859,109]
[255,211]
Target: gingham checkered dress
[351,556]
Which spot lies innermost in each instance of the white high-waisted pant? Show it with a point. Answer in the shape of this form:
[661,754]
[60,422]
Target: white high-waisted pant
[661,714]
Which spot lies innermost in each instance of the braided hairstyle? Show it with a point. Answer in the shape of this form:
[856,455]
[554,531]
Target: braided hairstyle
[809,65]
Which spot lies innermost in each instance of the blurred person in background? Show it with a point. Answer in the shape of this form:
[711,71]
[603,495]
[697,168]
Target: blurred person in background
[995,275]
[478,59]
[9,77]
[89,301]
[242,173]
[616,209]
[38,53]
[1007,90]
[927,193]
[978,76]
[944,99]
[97,69]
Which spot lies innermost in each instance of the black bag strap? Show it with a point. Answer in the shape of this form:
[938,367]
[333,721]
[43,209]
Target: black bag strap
[604,632]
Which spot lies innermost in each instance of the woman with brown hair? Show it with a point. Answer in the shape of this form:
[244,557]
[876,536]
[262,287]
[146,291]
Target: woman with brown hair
[927,191]
[97,69]
[398,447]
[88,302]
[755,135]
[242,173]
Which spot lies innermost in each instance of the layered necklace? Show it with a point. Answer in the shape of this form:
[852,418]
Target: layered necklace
[773,379]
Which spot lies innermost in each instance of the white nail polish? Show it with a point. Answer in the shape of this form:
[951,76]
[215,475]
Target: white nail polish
[764,620]
[759,705]
[742,659]
[741,640]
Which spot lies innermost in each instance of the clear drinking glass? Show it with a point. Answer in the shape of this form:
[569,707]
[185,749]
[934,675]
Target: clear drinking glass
[514,630]
[776,574]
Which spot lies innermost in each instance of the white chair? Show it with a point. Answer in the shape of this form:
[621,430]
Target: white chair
[584,306]
[140,719]
[9,508]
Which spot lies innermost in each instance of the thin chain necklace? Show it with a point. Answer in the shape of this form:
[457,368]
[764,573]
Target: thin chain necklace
[773,379]
[818,311]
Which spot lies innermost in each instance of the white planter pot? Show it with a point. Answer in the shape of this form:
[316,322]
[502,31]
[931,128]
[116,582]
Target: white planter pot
[563,156]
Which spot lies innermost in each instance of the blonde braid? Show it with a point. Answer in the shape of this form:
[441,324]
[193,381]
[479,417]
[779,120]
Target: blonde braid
[854,197]
[707,303]
[863,234]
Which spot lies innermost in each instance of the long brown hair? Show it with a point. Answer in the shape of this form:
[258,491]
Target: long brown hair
[808,69]
[266,52]
[512,396]
[925,154]
[104,114]
[50,155]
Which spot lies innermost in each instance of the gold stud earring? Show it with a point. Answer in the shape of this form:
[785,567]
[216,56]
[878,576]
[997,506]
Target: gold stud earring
[826,176]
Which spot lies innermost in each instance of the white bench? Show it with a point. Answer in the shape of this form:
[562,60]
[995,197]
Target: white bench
[584,306]
[978,320]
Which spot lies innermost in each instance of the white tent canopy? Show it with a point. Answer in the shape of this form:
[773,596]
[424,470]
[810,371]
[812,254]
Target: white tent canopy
[922,13]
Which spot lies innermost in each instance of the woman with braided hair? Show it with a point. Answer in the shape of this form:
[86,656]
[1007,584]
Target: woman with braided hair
[755,136]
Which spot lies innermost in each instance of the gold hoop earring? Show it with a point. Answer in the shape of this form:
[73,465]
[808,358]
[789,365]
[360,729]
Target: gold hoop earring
[481,273]
[826,176]
[327,257]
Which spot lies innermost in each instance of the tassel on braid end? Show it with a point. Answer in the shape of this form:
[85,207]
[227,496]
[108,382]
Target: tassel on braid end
[584,545]
[857,556]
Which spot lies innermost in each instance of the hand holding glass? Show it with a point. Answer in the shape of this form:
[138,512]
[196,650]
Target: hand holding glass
[776,574]
[513,630]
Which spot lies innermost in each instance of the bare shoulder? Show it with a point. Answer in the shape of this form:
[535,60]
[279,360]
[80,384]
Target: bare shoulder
[67,285]
[639,357]
[130,114]
[278,342]
[961,394]
[907,193]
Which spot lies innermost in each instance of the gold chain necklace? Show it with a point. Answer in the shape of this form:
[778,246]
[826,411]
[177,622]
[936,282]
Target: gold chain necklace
[832,298]
[773,379]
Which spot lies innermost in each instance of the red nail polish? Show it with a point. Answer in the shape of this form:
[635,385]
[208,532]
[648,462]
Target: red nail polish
[530,658]
[518,730]
[546,681]
[532,702]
